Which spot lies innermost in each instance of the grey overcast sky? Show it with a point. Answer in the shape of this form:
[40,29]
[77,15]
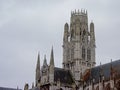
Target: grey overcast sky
[30,26]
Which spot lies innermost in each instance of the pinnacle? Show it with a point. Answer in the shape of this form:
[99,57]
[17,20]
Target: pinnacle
[38,61]
[45,61]
[52,57]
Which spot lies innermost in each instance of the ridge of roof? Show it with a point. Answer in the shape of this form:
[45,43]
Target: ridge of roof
[7,88]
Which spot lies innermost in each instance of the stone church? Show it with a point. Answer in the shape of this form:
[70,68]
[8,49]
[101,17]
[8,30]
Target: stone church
[79,71]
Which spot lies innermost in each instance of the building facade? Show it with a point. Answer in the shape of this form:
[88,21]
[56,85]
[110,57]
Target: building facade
[79,71]
[78,45]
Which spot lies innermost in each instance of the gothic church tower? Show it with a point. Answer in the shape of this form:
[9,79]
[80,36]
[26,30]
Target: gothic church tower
[78,44]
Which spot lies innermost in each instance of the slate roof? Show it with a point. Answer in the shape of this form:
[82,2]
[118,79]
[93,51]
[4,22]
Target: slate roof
[104,70]
[64,76]
[4,88]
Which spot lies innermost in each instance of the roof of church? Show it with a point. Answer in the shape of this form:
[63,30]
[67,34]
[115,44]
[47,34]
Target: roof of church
[105,70]
[62,75]
[4,88]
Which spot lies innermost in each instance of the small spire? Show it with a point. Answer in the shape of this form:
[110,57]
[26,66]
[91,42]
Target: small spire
[38,62]
[111,70]
[37,69]
[45,61]
[86,11]
[52,57]
[111,63]
[100,69]
[92,32]
[33,85]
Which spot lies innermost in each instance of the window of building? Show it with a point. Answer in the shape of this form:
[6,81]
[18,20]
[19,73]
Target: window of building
[72,33]
[80,32]
[83,53]
[88,54]
[84,32]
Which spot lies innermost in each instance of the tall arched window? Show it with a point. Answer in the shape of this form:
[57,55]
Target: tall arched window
[88,54]
[83,53]
[72,33]
[84,32]
[80,31]
[83,35]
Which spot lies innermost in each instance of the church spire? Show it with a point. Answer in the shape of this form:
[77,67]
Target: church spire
[51,68]
[38,70]
[45,61]
[52,58]
[38,62]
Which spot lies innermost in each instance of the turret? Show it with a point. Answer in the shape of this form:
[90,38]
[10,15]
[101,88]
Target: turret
[66,32]
[92,33]
[65,44]
[51,68]
[92,43]
[38,70]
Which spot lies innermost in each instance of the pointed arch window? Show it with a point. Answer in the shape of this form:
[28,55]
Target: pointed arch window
[83,53]
[83,35]
[80,31]
[72,33]
[88,54]
[84,32]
